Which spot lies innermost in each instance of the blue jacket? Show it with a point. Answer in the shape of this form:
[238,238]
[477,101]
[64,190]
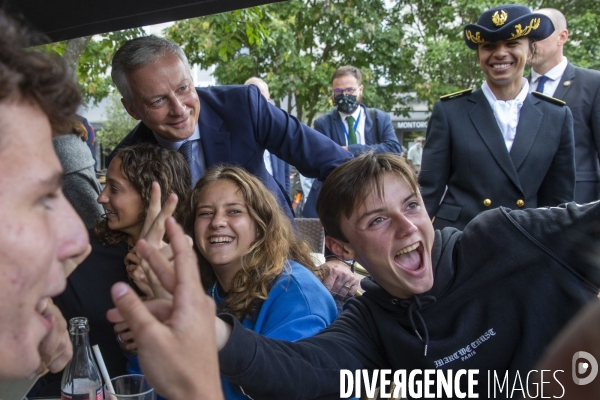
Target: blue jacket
[332,126]
[281,173]
[237,124]
[298,306]
[580,89]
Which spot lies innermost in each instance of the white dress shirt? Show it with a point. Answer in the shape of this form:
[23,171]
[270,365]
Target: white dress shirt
[553,75]
[507,112]
[360,128]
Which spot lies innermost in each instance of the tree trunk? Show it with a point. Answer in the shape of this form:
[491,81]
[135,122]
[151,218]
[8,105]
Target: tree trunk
[73,51]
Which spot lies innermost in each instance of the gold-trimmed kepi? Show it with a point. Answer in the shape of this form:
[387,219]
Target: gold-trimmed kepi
[507,22]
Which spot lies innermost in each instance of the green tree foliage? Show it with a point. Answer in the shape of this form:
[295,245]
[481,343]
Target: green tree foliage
[402,46]
[297,45]
[444,64]
[93,60]
[117,126]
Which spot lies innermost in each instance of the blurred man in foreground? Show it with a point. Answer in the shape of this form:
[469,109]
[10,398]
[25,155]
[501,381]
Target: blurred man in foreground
[42,237]
[41,232]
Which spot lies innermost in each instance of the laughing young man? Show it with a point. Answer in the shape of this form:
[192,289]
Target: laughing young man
[489,298]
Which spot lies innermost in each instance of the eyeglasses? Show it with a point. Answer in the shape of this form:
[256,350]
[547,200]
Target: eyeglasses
[348,90]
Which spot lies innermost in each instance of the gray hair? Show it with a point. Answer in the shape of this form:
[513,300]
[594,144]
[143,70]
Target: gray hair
[138,53]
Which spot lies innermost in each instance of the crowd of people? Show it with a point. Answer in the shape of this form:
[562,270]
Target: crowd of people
[192,257]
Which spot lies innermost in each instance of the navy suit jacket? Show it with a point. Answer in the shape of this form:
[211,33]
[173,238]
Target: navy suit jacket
[465,152]
[582,95]
[281,172]
[331,125]
[237,124]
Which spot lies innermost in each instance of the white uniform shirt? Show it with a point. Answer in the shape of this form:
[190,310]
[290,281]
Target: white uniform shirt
[507,112]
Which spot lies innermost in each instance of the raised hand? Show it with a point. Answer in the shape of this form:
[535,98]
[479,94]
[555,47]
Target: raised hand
[176,339]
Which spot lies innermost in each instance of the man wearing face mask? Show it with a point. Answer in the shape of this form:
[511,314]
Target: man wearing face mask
[352,125]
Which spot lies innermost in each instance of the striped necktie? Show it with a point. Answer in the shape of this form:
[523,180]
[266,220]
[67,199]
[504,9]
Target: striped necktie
[186,151]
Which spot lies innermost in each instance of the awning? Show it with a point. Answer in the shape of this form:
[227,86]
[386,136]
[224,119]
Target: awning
[67,19]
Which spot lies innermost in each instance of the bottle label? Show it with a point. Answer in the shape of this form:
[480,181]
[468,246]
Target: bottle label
[86,396]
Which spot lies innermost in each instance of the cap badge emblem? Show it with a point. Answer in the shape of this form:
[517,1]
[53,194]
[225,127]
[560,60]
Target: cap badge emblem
[499,18]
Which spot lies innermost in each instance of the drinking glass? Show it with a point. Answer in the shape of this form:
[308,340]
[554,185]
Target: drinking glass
[130,387]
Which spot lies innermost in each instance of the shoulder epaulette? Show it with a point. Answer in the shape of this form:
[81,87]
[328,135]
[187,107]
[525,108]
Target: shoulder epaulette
[456,94]
[549,98]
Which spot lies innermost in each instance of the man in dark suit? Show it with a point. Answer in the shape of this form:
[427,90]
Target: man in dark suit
[222,124]
[352,125]
[362,133]
[279,169]
[580,89]
[499,145]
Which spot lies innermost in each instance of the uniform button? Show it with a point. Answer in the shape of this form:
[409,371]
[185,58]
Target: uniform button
[487,202]
[520,203]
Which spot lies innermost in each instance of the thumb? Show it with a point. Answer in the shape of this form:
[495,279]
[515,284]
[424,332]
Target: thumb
[131,308]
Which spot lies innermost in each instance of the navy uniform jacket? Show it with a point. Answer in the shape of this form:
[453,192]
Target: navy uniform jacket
[582,95]
[465,152]
[331,125]
[237,124]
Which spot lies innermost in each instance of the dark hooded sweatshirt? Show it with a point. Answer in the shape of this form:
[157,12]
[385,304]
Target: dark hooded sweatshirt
[502,290]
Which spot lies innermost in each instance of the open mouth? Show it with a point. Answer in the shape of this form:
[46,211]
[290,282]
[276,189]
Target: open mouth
[410,258]
[220,239]
[111,214]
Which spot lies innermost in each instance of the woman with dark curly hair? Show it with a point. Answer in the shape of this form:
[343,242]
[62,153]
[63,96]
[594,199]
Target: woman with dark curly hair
[126,198]
[252,262]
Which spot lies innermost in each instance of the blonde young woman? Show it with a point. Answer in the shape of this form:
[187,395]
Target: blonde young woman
[251,261]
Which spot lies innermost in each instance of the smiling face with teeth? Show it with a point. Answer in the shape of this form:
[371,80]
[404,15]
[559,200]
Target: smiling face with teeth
[224,229]
[391,236]
[503,63]
[123,203]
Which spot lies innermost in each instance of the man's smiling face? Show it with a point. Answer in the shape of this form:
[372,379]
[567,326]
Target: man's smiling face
[164,98]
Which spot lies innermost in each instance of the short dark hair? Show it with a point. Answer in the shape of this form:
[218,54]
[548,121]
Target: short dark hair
[347,70]
[352,182]
[35,77]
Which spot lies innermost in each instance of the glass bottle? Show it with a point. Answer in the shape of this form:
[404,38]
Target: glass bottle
[81,379]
